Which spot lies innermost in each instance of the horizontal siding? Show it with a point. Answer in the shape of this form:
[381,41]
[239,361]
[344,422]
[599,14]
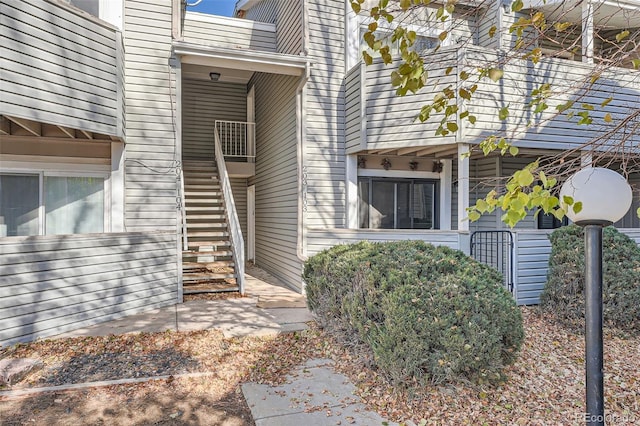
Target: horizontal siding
[324,161]
[322,239]
[53,284]
[570,81]
[482,173]
[204,102]
[287,15]
[228,33]
[151,128]
[276,178]
[391,119]
[239,190]
[532,251]
[353,108]
[60,67]
[264,11]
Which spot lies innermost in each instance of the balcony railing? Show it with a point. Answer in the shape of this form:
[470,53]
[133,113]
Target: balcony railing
[238,139]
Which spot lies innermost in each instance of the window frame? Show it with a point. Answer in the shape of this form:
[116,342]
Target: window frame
[63,170]
[435,210]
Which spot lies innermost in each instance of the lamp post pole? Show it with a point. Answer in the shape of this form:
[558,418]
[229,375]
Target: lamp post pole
[605,197]
[593,324]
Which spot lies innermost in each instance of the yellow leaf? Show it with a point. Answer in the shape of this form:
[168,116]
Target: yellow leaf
[495,74]
[607,118]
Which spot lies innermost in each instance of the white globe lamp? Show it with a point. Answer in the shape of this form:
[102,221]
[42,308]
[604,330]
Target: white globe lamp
[605,196]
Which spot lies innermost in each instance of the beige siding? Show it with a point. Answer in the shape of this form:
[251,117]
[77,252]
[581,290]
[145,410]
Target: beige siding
[11,145]
[324,145]
[151,141]
[264,11]
[276,179]
[53,284]
[204,102]
[60,67]
[532,250]
[228,32]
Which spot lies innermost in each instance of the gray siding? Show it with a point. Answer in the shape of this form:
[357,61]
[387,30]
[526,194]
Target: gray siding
[324,142]
[53,284]
[391,119]
[532,251]
[228,32]
[353,109]
[482,174]
[276,177]
[264,11]
[60,67]
[287,15]
[239,189]
[151,139]
[321,239]
[204,102]
[567,79]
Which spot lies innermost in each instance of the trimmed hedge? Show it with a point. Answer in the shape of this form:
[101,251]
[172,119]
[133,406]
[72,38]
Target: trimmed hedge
[563,295]
[427,313]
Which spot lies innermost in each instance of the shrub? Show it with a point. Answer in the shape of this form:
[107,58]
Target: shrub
[563,295]
[427,313]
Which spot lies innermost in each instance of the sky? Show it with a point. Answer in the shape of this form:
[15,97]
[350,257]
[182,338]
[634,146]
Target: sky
[214,7]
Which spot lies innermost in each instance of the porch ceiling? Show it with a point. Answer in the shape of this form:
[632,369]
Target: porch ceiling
[201,72]
[611,14]
[436,151]
[21,127]
[242,60]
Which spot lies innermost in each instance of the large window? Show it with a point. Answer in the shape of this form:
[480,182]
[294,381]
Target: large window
[48,204]
[397,203]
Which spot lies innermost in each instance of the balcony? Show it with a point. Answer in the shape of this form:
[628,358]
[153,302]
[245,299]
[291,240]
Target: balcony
[61,67]
[378,120]
[238,143]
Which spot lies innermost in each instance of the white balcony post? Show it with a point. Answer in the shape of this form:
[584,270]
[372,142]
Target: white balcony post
[587,32]
[463,187]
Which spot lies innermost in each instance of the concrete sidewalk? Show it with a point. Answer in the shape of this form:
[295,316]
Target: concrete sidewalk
[268,309]
[313,395]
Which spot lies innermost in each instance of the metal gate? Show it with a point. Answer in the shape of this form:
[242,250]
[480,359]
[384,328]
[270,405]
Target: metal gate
[495,248]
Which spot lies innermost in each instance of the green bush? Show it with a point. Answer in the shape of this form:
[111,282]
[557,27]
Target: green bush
[563,295]
[427,313]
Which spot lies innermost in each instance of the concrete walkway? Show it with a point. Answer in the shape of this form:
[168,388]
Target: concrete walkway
[314,394]
[268,309]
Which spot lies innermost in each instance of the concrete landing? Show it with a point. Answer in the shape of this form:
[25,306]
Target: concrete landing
[314,394]
[236,317]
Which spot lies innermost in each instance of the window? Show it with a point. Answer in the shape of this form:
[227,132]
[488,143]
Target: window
[49,204]
[549,221]
[89,6]
[397,203]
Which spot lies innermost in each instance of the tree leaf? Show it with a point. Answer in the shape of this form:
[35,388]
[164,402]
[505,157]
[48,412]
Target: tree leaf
[607,118]
[452,126]
[513,150]
[517,5]
[492,31]
[503,113]
[577,207]
[622,35]
[495,74]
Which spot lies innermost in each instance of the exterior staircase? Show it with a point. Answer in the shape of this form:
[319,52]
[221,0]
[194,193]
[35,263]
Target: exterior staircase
[207,263]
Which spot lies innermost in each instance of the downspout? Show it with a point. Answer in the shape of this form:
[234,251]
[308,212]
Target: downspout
[301,98]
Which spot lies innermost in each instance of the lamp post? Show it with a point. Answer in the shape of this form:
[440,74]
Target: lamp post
[606,197]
